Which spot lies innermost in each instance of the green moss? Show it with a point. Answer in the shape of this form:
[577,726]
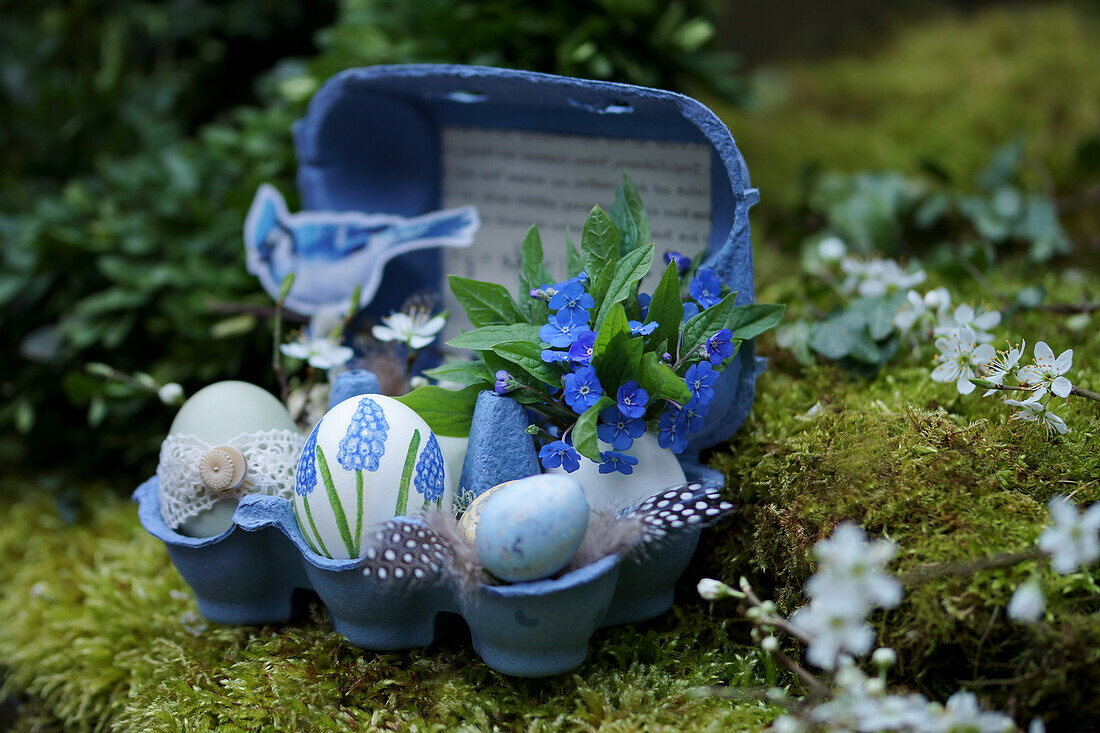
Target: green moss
[950,90]
[97,627]
[948,478]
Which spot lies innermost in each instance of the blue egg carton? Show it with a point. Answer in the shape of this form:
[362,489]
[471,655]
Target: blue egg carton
[370,142]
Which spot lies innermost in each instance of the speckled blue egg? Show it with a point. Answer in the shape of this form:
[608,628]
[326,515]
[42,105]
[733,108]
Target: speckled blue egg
[531,528]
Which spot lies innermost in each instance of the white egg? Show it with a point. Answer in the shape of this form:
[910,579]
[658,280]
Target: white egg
[657,469]
[215,415]
[370,459]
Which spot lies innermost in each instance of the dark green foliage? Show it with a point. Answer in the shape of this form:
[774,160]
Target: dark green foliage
[128,167]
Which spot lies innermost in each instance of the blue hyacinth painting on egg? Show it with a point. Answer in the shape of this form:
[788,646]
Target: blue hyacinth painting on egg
[361,449]
[429,480]
[305,481]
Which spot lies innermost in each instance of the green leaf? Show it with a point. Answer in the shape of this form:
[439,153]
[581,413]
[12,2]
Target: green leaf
[749,321]
[599,252]
[832,339]
[629,215]
[616,354]
[533,273]
[447,412]
[573,262]
[485,303]
[661,382]
[666,308]
[584,432]
[704,324]
[463,373]
[487,337]
[528,356]
[629,271]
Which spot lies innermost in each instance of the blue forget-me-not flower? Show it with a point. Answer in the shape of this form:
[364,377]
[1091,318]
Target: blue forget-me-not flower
[612,461]
[632,399]
[560,453]
[562,330]
[618,430]
[582,389]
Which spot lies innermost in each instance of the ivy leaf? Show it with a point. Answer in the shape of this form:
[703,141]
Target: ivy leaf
[661,382]
[463,373]
[629,215]
[528,356]
[599,252]
[486,337]
[485,303]
[447,412]
[666,308]
[584,432]
[629,271]
[749,321]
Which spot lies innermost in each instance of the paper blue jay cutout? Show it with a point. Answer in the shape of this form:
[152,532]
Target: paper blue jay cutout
[333,251]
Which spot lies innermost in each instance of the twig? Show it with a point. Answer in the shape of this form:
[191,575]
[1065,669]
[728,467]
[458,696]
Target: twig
[277,340]
[818,687]
[1075,390]
[968,567]
[1067,308]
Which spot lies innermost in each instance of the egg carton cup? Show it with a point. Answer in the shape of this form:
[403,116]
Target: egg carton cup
[255,572]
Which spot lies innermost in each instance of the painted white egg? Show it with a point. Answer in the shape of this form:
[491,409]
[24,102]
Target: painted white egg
[531,528]
[215,415]
[224,410]
[370,459]
[657,469]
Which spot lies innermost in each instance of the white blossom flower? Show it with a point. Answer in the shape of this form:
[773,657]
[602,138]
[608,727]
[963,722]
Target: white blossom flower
[1033,410]
[324,324]
[417,328]
[1046,373]
[321,353]
[831,249]
[1028,603]
[875,278]
[1002,365]
[884,656]
[961,359]
[918,308]
[835,625]
[851,565]
[1074,540]
[788,724]
[170,394]
[962,714]
[979,322]
[711,589]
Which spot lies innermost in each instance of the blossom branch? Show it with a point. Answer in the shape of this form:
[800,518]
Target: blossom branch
[1075,390]
[968,567]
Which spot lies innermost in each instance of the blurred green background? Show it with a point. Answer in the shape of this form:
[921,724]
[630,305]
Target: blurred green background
[136,133]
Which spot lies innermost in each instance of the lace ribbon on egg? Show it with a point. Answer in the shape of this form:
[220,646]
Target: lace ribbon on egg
[194,475]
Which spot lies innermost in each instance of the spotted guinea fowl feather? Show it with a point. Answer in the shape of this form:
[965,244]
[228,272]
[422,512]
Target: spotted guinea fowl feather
[678,509]
[406,550]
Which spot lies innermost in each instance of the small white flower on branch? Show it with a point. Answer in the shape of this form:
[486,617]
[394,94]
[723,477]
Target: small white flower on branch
[713,590]
[849,564]
[962,713]
[1047,372]
[961,359]
[171,394]
[920,308]
[417,328]
[835,625]
[978,321]
[1074,540]
[1003,365]
[1028,603]
[321,353]
[831,249]
[1033,410]
[876,278]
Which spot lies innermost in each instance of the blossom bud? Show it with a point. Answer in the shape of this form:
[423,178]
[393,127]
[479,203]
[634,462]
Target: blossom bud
[875,686]
[418,381]
[884,658]
[770,644]
[503,384]
[712,590]
[170,394]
